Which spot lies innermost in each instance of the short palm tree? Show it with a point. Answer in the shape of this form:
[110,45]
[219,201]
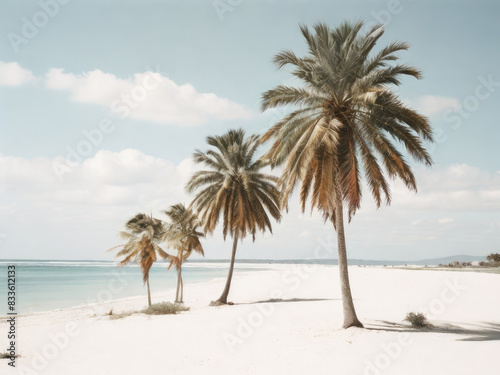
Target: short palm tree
[344,118]
[182,234]
[235,189]
[144,233]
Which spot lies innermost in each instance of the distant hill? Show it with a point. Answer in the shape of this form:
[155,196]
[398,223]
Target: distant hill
[363,262]
[446,260]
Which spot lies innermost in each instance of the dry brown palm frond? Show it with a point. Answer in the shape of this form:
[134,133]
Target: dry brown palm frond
[345,113]
[182,232]
[234,190]
[174,261]
[143,233]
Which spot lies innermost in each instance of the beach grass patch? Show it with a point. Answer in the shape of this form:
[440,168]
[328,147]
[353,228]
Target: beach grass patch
[6,355]
[114,316]
[119,316]
[164,308]
[417,320]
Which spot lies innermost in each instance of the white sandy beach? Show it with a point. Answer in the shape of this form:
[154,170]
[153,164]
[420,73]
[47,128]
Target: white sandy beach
[298,332]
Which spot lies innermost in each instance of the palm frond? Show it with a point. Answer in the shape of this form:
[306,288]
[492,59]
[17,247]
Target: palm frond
[233,190]
[344,113]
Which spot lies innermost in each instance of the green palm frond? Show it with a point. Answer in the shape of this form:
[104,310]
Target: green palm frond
[232,188]
[344,119]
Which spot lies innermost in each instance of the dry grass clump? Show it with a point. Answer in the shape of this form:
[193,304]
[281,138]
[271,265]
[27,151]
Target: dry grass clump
[120,316]
[164,308]
[6,355]
[417,320]
[114,316]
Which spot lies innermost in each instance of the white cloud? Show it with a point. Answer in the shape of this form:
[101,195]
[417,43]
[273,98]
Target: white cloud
[146,96]
[12,74]
[431,105]
[445,221]
[80,216]
[126,178]
[459,187]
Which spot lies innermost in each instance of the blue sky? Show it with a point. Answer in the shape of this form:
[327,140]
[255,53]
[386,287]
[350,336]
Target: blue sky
[213,59]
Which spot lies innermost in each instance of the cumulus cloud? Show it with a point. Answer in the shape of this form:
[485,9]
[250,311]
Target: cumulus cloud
[125,178]
[146,96]
[431,105]
[79,217]
[459,187]
[12,74]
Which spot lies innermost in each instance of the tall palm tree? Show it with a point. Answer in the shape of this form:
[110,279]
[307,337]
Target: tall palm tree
[143,233]
[345,114]
[234,188]
[182,234]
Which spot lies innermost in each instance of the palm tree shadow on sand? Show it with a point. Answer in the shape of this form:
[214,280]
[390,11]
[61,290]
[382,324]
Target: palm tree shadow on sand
[483,331]
[280,300]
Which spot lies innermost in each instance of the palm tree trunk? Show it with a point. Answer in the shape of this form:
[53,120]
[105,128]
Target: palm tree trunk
[182,285]
[178,292]
[149,291]
[223,297]
[350,318]
[177,288]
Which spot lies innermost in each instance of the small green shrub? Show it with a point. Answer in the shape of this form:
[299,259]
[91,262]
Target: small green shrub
[417,320]
[164,308]
[494,259]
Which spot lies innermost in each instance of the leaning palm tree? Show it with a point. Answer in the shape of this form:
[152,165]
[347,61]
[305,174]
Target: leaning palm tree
[344,118]
[182,234]
[235,189]
[143,233]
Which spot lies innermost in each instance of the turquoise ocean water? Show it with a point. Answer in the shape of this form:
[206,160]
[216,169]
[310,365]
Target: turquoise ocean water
[47,285]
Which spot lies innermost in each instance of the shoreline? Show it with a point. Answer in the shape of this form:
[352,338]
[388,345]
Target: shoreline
[170,291]
[289,318]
